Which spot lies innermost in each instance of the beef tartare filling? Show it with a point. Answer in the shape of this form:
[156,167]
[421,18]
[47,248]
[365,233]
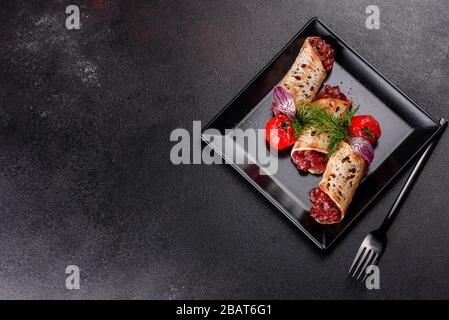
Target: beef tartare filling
[324,209]
[325,51]
[310,159]
[332,92]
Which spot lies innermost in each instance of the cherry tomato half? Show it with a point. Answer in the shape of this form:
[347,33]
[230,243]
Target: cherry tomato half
[279,132]
[365,126]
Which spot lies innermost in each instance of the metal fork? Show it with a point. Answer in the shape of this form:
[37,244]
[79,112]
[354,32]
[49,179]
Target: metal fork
[374,244]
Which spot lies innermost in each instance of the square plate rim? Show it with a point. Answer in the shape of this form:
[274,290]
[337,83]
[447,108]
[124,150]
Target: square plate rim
[406,164]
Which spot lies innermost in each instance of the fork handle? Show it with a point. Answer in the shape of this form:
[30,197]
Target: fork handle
[411,179]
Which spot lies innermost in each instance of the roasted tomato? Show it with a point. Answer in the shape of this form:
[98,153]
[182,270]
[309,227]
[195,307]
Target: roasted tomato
[365,126]
[279,132]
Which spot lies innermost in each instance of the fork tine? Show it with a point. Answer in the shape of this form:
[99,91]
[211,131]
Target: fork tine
[360,262]
[357,256]
[375,259]
[373,262]
[365,265]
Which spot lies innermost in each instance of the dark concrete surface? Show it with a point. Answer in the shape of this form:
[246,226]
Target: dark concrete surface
[85,174]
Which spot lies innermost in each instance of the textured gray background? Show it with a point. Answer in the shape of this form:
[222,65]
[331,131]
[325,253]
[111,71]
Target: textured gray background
[85,176]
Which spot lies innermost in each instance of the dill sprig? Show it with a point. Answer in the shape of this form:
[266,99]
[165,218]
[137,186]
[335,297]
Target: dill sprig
[315,115]
[306,115]
[336,127]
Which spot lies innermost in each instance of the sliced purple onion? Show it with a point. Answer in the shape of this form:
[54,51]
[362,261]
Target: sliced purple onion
[363,148]
[283,102]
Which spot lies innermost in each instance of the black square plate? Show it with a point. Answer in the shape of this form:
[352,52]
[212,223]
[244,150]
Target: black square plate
[406,129]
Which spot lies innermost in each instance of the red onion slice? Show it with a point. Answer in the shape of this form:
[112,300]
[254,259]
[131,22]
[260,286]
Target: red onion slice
[283,102]
[363,148]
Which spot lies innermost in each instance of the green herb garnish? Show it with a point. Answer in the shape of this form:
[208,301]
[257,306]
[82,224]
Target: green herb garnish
[369,132]
[336,127]
[314,115]
[307,114]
